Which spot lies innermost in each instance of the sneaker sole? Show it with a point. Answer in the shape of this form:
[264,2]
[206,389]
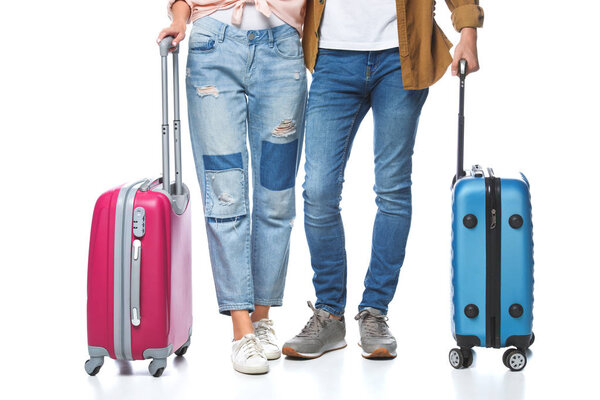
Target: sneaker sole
[290,352]
[379,354]
[251,370]
[273,356]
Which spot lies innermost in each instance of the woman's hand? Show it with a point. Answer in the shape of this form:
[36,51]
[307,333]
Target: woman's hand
[467,49]
[181,13]
[177,30]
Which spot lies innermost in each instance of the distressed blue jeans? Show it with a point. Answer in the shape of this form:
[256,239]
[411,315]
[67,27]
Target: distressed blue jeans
[345,85]
[246,89]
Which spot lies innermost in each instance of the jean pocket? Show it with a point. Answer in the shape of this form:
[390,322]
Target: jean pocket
[202,42]
[225,193]
[289,48]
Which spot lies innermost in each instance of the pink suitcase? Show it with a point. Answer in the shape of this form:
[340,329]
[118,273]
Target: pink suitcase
[139,273]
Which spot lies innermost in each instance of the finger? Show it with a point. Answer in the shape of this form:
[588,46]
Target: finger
[473,65]
[454,66]
[179,38]
[162,35]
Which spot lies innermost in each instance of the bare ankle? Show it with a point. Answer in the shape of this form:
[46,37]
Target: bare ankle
[241,324]
[260,312]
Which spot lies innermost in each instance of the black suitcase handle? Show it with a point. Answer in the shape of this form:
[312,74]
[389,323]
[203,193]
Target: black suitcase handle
[462,73]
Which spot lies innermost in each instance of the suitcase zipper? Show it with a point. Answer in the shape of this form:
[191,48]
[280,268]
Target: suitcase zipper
[493,259]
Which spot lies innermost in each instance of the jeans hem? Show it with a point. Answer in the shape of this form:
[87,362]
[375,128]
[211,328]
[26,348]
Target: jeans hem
[227,308]
[362,307]
[268,302]
[331,310]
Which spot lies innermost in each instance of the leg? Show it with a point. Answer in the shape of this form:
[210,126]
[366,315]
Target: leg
[242,325]
[337,104]
[276,105]
[260,312]
[217,119]
[396,114]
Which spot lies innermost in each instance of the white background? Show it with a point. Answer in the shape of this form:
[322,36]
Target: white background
[80,113]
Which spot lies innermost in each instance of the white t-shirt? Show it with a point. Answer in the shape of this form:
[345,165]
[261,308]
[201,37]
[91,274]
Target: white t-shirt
[359,25]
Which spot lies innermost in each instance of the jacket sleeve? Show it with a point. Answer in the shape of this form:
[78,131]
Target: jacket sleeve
[465,14]
[170,7]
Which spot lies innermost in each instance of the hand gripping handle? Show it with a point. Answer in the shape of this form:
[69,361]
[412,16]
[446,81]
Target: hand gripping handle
[462,73]
[167,44]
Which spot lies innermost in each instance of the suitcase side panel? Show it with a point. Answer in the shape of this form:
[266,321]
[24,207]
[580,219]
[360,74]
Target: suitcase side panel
[181,278]
[100,286]
[155,276]
[469,259]
[517,260]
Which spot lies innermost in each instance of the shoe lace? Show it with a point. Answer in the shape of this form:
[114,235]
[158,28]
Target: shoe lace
[373,324]
[314,324]
[264,331]
[251,346]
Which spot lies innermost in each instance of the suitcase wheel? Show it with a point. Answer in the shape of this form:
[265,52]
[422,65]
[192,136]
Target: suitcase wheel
[93,365]
[514,359]
[182,350]
[460,358]
[157,366]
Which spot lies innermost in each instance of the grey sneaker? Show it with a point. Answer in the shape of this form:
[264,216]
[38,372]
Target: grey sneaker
[376,339]
[320,335]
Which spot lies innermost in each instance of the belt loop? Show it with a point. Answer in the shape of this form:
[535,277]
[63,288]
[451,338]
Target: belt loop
[271,40]
[222,33]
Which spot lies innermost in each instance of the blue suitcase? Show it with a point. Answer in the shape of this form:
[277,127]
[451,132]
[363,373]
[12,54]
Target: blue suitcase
[492,261]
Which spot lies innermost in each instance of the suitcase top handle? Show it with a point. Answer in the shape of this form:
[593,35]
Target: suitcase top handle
[462,73]
[165,46]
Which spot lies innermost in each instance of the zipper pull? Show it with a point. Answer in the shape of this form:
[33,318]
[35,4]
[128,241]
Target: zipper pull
[493,225]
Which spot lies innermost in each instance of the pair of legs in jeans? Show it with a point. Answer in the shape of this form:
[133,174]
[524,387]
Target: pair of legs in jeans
[252,84]
[247,88]
[345,86]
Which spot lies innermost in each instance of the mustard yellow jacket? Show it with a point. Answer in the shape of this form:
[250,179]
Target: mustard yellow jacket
[424,49]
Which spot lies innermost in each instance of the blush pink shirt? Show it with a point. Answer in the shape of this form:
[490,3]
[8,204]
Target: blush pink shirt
[290,11]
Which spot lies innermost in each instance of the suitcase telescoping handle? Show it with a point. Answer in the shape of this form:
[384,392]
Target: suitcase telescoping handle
[462,73]
[165,46]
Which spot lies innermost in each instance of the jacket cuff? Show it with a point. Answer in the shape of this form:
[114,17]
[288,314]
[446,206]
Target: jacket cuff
[170,9]
[467,16]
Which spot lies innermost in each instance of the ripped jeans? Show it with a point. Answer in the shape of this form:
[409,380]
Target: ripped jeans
[246,86]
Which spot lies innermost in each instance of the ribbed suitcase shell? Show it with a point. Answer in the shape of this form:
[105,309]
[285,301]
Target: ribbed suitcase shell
[469,262]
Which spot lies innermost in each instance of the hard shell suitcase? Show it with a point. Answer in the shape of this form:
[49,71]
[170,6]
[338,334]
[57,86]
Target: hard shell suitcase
[139,272]
[492,261]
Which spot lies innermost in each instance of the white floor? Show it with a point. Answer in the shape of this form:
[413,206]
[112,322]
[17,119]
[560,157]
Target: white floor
[420,371]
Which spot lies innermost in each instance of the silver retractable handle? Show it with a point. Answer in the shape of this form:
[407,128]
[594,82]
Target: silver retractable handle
[165,46]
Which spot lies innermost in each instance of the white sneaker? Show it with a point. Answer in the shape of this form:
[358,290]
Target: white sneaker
[265,333]
[248,356]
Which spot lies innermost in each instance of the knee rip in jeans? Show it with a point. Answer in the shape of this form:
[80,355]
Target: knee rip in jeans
[225,199]
[286,128]
[204,91]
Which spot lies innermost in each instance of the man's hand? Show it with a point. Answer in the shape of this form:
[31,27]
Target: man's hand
[467,49]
